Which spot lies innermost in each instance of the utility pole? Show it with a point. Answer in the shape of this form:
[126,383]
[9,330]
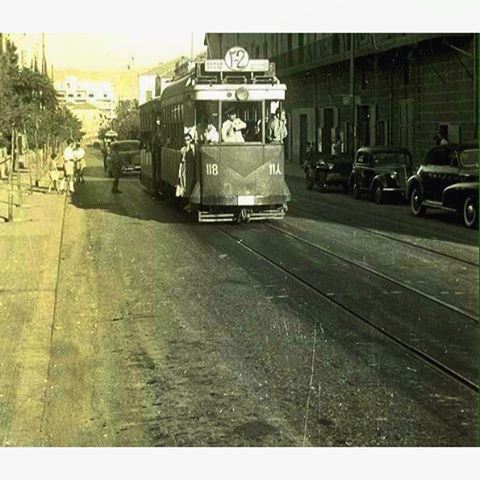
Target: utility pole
[476,64]
[352,90]
[44,58]
[191,47]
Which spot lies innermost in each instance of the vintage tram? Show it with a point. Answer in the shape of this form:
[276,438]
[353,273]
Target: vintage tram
[226,179]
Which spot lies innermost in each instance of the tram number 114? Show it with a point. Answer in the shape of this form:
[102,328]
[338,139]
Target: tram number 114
[212,168]
[274,169]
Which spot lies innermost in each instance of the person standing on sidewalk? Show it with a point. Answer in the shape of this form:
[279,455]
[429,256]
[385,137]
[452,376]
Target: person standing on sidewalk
[116,168]
[68,167]
[53,173]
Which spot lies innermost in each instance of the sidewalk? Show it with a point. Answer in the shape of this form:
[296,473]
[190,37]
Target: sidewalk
[29,256]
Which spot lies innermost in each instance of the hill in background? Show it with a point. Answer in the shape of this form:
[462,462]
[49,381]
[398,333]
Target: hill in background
[124,81]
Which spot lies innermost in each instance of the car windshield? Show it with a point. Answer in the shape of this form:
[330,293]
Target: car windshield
[384,158]
[126,146]
[469,158]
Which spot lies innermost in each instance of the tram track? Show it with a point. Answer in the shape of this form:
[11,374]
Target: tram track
[388,278]
[412,350]
[375,232]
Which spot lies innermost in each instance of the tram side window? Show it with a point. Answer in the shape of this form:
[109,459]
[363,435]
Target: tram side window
[172,126]
[242,122]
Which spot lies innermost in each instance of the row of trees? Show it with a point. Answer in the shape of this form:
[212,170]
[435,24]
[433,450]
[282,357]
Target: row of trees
[126,122]
[28,104]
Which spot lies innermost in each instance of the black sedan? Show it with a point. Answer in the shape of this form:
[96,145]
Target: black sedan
[447,180]
[380,171]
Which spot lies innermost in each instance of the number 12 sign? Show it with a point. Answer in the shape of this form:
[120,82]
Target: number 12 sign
[237,58]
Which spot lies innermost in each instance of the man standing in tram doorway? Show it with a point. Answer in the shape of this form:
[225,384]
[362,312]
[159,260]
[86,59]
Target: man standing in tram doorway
[277,127]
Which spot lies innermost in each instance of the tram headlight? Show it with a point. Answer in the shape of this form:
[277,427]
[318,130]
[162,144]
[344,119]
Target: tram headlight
[241,94]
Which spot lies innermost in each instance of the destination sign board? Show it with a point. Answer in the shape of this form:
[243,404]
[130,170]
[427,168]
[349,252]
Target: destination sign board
[236,60]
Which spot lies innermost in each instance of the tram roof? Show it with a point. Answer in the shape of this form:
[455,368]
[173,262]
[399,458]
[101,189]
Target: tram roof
[220,91]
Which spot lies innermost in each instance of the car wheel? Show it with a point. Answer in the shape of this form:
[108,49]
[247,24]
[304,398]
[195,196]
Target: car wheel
[470,213]
[416,203]
[356,191]
[378,194]
[309,181]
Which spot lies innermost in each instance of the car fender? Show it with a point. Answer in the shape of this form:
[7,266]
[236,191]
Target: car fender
[351,179]
[411,182]
[454,195]
[379,178]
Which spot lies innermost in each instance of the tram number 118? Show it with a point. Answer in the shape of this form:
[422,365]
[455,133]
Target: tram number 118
[212,168]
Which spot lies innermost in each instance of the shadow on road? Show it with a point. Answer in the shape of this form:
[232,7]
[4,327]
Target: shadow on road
[332,207]
[134,201]
[391,218]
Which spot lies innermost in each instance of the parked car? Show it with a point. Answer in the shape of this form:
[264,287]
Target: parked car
[323,171]
[129,153]
[447,180]
[380,171]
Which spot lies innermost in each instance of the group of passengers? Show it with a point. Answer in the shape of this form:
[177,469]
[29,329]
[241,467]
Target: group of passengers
[235,130]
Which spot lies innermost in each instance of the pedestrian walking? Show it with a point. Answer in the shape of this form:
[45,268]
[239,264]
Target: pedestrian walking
[53,174]
[68,167]
[79,156]
[116,169]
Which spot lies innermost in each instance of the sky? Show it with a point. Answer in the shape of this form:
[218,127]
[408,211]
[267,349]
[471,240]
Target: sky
[108,51]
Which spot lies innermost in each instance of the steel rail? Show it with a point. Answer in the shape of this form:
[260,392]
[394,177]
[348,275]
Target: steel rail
[432,362]
[396,282]
[374,232]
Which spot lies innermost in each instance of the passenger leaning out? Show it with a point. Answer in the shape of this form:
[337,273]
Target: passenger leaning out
[188,155]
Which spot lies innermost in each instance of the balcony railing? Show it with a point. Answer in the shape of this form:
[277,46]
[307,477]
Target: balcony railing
[336,48]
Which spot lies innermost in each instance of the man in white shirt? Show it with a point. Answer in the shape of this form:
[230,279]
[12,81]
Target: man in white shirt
[211,134]
[277,127]
[232,129]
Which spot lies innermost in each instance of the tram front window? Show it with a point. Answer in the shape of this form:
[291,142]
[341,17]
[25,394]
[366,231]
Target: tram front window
[241,121]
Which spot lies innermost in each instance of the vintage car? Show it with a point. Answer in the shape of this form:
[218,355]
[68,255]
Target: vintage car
[380,171]
[447,180]
[128,153]
[322,171]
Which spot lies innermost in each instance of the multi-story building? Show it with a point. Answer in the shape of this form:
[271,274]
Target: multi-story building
[93,103]
[152,83]
[369,89]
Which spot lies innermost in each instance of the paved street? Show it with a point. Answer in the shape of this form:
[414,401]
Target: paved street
[346,324]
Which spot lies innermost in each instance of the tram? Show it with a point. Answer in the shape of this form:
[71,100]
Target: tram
[239,178]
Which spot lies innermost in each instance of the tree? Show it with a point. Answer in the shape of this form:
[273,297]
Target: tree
[28,103]
[127,121]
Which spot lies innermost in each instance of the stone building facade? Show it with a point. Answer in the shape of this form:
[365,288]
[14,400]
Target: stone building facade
[369,89]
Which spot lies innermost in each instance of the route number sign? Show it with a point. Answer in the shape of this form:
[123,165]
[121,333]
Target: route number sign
[237,58]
